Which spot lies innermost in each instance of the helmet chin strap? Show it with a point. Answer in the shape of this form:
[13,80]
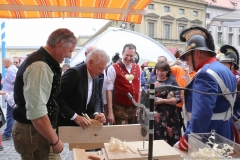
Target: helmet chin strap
[193,62]
[230,66]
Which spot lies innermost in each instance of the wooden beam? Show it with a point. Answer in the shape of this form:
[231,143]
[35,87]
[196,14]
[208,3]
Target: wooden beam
[129,133]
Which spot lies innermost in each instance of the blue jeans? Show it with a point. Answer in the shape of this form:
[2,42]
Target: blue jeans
[9,122]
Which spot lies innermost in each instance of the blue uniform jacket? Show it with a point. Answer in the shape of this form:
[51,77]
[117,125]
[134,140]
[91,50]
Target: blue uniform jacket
[203,106]
[236,109]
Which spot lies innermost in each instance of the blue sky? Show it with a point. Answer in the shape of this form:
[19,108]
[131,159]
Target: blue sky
[34,32]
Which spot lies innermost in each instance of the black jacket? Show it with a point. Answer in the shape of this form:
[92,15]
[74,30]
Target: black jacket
[73,94]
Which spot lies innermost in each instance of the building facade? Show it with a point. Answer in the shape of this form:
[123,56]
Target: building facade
[165,19]
[222,35]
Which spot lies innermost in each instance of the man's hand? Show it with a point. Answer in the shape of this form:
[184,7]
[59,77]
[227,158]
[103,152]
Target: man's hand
[58,148]
[100,117]
[138,114]
[158,100]
[82,122]
[6,94]
[110,118]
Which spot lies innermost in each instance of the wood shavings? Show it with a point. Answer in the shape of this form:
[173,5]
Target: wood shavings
[205,154]
[116,144]
[224,150]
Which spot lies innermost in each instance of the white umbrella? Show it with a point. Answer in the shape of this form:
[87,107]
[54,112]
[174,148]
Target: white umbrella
[113,40]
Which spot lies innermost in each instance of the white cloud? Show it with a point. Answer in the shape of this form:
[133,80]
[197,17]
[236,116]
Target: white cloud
[34,32]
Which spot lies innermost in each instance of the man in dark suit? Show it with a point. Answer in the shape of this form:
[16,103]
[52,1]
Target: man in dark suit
[79,91]
[100,77]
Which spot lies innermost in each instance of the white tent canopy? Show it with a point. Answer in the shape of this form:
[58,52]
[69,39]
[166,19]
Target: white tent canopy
[231,19]
[113,40]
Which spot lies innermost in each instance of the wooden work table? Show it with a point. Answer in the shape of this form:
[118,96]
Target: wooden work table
[161,151]
[99,136]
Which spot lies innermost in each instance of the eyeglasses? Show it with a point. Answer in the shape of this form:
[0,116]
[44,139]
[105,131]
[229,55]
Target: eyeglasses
[15,62]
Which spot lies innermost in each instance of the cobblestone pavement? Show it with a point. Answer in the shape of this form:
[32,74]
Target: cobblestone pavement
[9,152]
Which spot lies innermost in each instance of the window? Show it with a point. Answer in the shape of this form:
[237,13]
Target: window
[133,27]
[151,6]
[208,26]
[181,11]
[219,37]
[207,15]
[230,29]
[166,9]
[180,29]
[239,39]
[230,39]
[151,29]
[166,31]
[195,13]
[219,28]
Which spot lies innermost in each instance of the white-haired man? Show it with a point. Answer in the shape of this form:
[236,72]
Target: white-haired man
[8,85]
[101,78]
[79,91]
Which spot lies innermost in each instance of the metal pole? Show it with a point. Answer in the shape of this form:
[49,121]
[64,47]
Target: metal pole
[151,122]
[3,39]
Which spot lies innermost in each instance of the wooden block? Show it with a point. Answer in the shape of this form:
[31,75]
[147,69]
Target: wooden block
[93,157]
[161,151]
[184,154]
[87,117]
[132,150]
[95,122]
[100,134]
[105,154]
[143,152]
[79,154]
[86,146]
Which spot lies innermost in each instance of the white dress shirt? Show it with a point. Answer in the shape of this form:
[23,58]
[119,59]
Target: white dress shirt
[104,94]
[90,86]
[111,76]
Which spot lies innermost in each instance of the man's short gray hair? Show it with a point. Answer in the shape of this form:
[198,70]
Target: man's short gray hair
[61,34]
[89,48]
[9,59]
[165,58]
[97,56]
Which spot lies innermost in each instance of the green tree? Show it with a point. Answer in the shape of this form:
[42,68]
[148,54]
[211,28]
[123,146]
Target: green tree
[222,41]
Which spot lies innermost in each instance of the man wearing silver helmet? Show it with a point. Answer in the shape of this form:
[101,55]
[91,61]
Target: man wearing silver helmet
[231,61]
[230,58]
[206,112]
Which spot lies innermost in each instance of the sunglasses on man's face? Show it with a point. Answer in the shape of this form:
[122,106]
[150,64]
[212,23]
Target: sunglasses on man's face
[15,62]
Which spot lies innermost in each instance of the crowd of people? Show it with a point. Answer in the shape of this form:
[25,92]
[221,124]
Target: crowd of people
[42,96]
